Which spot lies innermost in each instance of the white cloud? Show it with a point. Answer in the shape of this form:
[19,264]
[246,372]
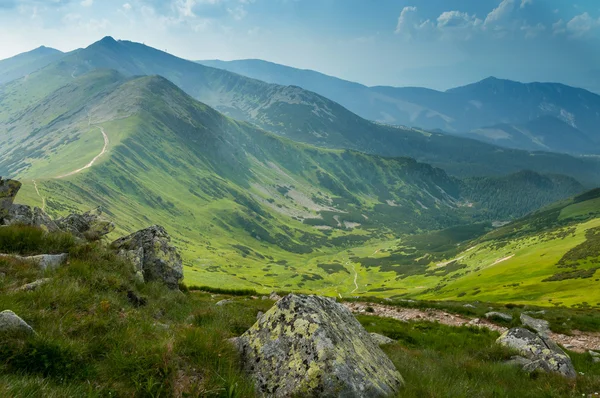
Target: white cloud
[238,13]
[525,3]
[581,24]
[127,6]
[533,31]
[87,3]
[500,13]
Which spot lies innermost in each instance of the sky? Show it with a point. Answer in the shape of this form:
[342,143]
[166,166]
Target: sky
[431,43]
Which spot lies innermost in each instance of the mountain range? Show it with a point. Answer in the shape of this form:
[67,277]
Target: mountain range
[262,185]
[535,116]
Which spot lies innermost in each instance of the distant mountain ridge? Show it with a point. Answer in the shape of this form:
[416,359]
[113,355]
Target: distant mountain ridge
[26,63]
[459,111]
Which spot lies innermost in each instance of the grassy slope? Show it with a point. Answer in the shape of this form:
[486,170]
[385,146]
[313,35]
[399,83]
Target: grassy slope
[93,340]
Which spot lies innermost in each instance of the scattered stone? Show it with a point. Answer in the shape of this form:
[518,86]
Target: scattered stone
[44,261]
[90,225]
[475,321]
[162,326]
[380,339]
[155,257]
[8,191]
[595,356]
[264,298]
[274,296]
[542,353]
[518,361]
[34,285]
[541,312]
[223,302]
[539,325]
[501,315]
[12,324]
[259,315]
[469,306]
[313,346]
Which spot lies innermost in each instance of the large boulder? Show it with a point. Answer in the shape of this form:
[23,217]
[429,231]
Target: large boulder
[539,325]
[543,354]
[90,225]
[25,215]
[152,254]
[8,191]
[311,346]
[12,324]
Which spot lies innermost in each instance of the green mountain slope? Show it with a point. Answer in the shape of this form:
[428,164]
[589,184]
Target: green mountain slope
[26,63]
[246,207]
[291,112]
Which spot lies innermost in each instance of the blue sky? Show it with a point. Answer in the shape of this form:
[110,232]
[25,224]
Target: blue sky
[431,43]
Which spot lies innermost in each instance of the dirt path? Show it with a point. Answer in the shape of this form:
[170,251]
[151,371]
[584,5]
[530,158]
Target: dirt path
[579,341]
[355,276]
[91,163]
[38,194]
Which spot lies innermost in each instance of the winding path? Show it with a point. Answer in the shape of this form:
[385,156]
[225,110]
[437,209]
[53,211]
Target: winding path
[91,163]
[355,276]
[41,197]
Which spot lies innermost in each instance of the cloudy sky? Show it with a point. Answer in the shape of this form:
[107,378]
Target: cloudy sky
[432,43]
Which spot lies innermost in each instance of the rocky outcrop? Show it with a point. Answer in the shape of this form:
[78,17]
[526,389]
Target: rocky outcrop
[311,346]
[44,261]
[90,225]
[541,352]
[153,256]
[11,324]
[539,325]
[35,217]
[8,191]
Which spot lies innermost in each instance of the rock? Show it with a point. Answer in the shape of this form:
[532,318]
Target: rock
[594,354]
[136,300]
[44,261]
[469,306]
[263,297]
[541,312]
[380,339]
[8,191]
[223,302]
[542,352]
[36,217]
[539,325]
[90,225]
[274,296]
[259,315]
[501,315]
[518,361]
[34,285]
[12,324]
[156,258]
[312,346]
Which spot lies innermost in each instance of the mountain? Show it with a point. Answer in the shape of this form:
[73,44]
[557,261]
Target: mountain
[291,112]
[246,207]
[462,110]
[26,63]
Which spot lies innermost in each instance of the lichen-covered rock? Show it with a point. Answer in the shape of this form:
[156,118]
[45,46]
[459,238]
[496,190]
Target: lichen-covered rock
[499,315]
[311,346]
[542,353]
[156,257]
[90,225]
[35,217]
[8,191]
[380,339]
[34,285]
[539,325]
[12,324]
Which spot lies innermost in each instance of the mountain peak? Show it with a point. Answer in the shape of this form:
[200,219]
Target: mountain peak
[108,41]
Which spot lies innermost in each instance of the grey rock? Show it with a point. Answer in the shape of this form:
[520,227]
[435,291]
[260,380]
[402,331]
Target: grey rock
[90,225]
[594,354]
[542,353]
[157,259]
[541,312]
[35,217]
[501,315]
[34,285]
[274,296]
[44,261]
[518,361]
[539,325]
[12,324]
[381,339]
[312,346]
[469,306]
[259,315]
[8,191]
[223,302]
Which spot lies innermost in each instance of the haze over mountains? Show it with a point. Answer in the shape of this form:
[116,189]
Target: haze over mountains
[534,116]
[283,189]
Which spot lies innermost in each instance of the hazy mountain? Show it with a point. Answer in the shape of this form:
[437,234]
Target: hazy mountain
[465,109]
[26,63]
